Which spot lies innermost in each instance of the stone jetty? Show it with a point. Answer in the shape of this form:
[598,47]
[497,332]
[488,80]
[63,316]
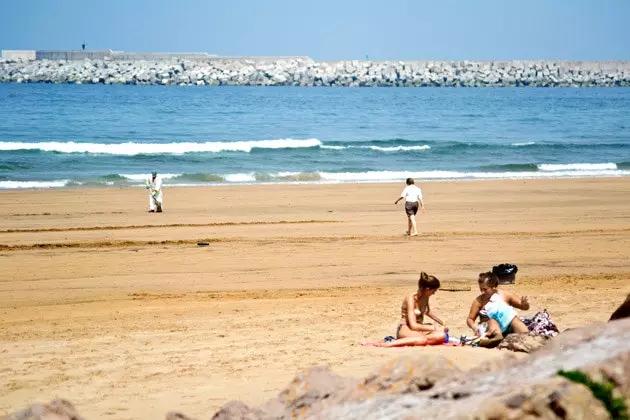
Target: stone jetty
[303,71]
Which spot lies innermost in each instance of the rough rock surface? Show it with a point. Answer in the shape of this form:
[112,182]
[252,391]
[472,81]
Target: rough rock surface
[525,343]
[55,410]
[236,410]
[407,375]
[317,387]
[599,350]
[303,71]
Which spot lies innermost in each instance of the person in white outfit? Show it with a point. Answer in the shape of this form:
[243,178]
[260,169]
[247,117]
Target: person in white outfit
[413,200]
[154,185]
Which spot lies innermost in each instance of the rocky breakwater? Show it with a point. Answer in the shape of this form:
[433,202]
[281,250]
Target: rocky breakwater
[301,71]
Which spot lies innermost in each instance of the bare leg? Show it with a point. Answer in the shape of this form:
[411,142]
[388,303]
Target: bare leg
[408,337]
[518,326]
[409,226]
[432,339]
[436,338]
[412,225]
[493,337]
[492,340]
[407,341]
[493,326]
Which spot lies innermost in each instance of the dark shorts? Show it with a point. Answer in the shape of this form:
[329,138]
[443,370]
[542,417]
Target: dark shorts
[411,208]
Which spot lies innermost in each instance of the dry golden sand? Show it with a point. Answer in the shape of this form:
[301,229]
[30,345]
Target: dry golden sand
[119,311]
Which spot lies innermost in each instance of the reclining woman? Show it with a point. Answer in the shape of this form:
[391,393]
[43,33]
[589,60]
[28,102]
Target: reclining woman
[495,309]
[412,331]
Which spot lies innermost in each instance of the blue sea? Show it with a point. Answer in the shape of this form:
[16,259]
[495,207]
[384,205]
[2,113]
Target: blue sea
[72,136]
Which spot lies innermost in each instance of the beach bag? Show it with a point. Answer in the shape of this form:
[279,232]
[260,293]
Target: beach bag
[506,273]
[541,324]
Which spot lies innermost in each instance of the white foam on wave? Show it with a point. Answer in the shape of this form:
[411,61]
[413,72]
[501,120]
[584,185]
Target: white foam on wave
[397,148]
[381,148]
[342,177]
[389,176]
[577,166]
[33,184]
[131,149]
[528,143]
[144,177]
[250,177]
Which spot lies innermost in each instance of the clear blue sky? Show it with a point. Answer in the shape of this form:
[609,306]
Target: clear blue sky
[328,29]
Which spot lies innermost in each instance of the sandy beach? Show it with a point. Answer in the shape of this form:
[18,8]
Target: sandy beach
[120,311]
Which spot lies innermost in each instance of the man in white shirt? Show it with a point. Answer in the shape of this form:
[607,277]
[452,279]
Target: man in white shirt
[154,185]
[413,197]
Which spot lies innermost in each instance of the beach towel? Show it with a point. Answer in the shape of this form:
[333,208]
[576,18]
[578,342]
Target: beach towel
[541,324]
[391,338]
[453,343]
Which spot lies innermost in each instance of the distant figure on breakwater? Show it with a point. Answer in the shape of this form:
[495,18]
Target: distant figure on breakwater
[154,185]
[83,46]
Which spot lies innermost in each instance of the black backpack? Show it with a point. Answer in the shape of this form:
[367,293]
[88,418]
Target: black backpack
[506,273]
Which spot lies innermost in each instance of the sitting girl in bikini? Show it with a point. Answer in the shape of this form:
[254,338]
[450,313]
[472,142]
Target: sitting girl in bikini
[411,330]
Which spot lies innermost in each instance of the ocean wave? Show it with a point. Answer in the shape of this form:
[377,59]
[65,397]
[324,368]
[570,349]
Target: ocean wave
[33,184]
[114,177]
[172,180]
[390,176]
[198,177]
[299,176]
[190,151]
[14,166]
[380,148]
[280,177]
[577,166]
[144,177]
[131,148]
[511,167]
[398,148]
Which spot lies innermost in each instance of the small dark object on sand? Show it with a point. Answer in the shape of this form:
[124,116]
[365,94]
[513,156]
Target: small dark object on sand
[456,289]
[203,243]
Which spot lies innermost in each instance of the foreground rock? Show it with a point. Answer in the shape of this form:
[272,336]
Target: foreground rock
[525,343]
[622,311]
[55,410]
[431,387]
[302,71]
[512,388]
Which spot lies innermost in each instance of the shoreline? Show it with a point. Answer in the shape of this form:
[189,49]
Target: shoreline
[289,183]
